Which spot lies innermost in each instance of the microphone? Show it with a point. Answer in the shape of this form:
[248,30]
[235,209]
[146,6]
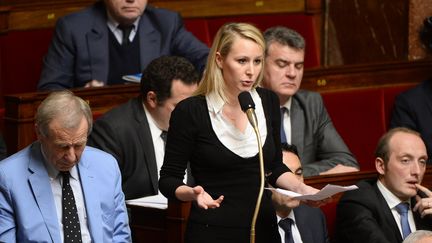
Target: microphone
[248,106]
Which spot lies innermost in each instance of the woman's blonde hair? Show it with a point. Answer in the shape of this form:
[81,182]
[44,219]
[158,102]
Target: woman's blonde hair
[222,43]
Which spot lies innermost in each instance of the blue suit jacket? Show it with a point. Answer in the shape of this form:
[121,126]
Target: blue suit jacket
[413,109]
[79,49]
[27,208]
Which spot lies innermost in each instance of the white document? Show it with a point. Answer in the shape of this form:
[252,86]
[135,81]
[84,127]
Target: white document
[134,78]
[156,201]
[328,191]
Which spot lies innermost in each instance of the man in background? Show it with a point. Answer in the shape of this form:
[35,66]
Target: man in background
[305,121]
[99,45]
[134,132]
[306,224]
[3,151]
[413,108]
[388,209]
[58,189]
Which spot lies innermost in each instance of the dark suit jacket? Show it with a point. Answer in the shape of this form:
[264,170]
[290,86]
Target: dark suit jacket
[363,216]
[79,49]
[413,109]
[311,223]
[319,145]
[3,152]
[125,133]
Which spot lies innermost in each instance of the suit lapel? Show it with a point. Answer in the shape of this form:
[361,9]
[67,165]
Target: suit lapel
[303,226]
[91,199]
[297,125]
[387,214]
[146,143]
[427,91]
[149,40]
[40,185]
[97,41]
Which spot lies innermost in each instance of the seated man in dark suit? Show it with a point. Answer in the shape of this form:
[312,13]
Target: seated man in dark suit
[113,38]
[132,132]
[305,121]
[308,224]
[387,209]
[413,108]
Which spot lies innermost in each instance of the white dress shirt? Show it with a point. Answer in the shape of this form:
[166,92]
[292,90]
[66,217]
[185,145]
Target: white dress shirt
[294,229]
[244,144]
[56,181]
[287,120]
[392,202]
[118,33]
[158,143]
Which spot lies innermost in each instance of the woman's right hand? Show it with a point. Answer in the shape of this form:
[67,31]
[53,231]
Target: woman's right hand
[204,200]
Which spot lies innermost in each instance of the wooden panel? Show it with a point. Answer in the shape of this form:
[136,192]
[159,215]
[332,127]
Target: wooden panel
[366,75]
[43,14]
[368,31]
[20,110]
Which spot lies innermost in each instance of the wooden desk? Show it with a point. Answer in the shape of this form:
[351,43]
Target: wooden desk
[167,226]
[20,110]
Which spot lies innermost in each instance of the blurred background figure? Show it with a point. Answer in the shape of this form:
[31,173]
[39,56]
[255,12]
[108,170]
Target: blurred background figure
[99,45]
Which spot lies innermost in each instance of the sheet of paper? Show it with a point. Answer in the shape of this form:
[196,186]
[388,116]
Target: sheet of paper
[328,191]
[134,78]
[156,201]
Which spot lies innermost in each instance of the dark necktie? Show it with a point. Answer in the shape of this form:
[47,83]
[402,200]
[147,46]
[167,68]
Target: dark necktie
[71,224]
[164,135]
[285,224]
[402,209]
[282,130]
[126,30]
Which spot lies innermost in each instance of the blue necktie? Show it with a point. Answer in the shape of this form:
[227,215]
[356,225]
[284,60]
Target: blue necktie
[285,224]
[402,209]
[282,130]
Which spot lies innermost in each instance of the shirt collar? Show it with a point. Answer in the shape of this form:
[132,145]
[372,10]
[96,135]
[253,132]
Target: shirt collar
[154,129]
[290,215]
[215,103]
[390,198]
[288,103]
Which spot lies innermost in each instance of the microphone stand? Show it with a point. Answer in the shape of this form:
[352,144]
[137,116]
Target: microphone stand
[261,164]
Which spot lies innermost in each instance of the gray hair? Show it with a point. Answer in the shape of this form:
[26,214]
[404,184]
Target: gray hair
[418,235]
[284,36]
[64,106]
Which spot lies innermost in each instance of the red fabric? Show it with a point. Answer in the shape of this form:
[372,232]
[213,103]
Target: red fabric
[21,54]
[359,117]
[199,27]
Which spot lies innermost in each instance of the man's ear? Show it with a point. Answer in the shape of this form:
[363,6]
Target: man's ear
[380,165]
[37,131]
[151,99]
